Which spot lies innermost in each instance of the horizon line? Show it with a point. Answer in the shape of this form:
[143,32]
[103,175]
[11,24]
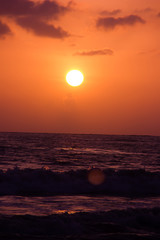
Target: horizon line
[108,134]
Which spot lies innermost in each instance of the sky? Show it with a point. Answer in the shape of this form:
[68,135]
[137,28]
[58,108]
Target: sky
[115,44]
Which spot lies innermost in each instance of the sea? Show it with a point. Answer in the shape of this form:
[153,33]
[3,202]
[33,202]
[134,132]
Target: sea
[79,186]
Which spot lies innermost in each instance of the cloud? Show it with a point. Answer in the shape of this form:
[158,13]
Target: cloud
[95,52]
[4,29]
[41,28]
[25,11]
[47,8]
[145,10]
[111,22]
[158,15]
[151,51]
[148,9]
[110,13]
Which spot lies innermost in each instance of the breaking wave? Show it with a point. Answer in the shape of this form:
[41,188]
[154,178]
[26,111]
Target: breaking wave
[43,182]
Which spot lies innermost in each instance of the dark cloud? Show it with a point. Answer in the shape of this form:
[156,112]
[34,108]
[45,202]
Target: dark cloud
[158,15]
[4,29]
[43,9]
[110,13]
[15,7]
[41,28]
[95,52]
[111,22]
[35,15]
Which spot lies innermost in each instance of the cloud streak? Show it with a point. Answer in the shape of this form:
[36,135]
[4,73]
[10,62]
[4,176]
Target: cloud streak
[145,10]
[110,13]
[4,29]
[94,52]
[111,22]
[35,16]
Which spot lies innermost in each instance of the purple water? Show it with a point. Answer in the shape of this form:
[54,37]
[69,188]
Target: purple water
[50,187]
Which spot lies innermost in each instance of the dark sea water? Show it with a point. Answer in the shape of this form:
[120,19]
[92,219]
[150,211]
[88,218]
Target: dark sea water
[72,186]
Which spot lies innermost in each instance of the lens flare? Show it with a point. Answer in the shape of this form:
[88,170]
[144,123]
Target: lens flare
[96,176]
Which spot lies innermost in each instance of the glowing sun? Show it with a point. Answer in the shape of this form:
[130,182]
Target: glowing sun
[74,78]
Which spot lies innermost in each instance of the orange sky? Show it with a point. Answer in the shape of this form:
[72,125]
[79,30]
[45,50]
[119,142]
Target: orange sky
[116,44]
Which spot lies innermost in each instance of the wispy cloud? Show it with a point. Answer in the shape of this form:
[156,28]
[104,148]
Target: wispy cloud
[35,16]
[151,51]
[111,22]
[95,52]
[110,13]
[4,29]
[144,10]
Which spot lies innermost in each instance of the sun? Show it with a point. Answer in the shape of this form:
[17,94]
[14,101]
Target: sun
[74,78]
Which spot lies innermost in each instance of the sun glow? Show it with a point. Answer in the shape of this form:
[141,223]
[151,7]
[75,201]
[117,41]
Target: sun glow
[74,78]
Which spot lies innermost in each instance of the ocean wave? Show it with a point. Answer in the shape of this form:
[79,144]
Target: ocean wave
[124,224]
[44,182]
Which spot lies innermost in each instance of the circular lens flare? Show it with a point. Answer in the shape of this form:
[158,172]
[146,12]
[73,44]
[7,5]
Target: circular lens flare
[96,176]
[74,78]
